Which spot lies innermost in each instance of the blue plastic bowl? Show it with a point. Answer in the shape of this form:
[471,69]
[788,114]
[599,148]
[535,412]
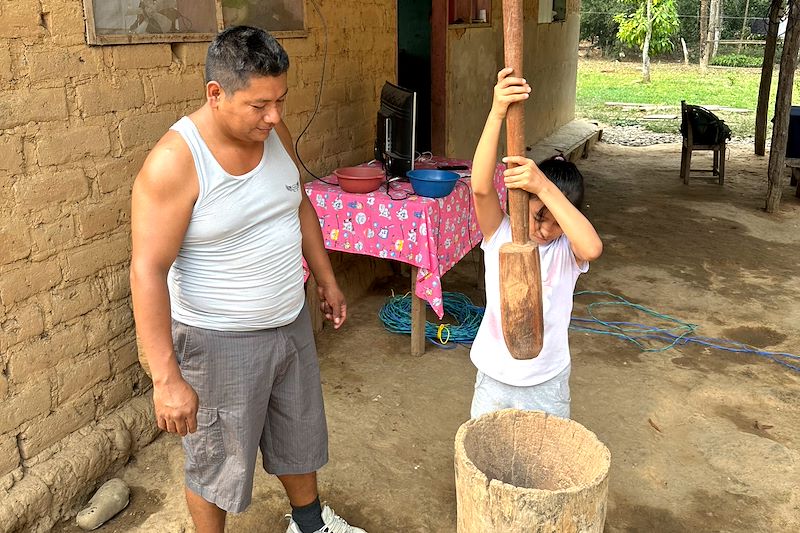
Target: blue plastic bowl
[432,183]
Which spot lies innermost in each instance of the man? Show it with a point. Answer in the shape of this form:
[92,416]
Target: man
[219,222]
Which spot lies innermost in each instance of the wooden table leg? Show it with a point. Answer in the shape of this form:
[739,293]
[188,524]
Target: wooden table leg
[418,307]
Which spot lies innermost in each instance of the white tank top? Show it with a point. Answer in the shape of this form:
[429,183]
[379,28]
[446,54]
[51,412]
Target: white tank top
[240,265]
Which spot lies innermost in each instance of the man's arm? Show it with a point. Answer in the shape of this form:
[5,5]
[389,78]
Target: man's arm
[163,196]
[332,301]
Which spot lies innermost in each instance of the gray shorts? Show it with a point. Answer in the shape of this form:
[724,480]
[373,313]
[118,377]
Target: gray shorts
[552,396]
[258,390]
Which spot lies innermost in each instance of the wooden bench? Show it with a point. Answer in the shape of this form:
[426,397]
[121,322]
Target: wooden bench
[742,41]
[794,164]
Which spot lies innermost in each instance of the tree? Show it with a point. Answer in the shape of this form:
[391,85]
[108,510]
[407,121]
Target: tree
[762,109]
[783,105]
[650,28]
[703,32]
[648,35]
[712,34]
[744,23]
[597,25]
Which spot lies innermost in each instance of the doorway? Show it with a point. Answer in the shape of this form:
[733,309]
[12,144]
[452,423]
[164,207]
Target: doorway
[414,61]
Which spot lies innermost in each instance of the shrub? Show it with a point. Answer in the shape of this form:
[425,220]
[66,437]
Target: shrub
[737,60]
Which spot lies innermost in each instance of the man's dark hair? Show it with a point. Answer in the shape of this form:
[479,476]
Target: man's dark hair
[566,176]
[241,52]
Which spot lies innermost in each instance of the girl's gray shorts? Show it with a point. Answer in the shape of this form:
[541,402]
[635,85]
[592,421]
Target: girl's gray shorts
[552,396]
[257,390]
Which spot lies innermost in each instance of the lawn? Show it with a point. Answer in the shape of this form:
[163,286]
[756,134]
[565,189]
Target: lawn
[602,81]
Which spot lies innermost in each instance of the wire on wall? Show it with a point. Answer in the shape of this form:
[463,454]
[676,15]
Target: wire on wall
[319,94]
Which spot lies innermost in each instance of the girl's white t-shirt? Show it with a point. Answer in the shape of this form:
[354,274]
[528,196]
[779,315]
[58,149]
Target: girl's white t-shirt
[560,271]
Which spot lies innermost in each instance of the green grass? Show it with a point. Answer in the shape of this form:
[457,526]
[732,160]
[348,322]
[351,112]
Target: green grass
[608,81]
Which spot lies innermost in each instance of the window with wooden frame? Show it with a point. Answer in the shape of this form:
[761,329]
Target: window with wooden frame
[165,21]
[559,10]
[150,21]
[469,11]
[552,11]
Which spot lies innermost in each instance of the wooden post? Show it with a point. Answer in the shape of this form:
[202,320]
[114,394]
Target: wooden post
[529,472]
[744,25]
[685,52]
[418,311]
[783,103]
[767,66]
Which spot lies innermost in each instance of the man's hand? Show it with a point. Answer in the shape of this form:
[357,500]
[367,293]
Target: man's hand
[332,304]
[508,91]
[176,406]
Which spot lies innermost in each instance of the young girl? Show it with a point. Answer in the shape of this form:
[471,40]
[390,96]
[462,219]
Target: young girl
[567,242]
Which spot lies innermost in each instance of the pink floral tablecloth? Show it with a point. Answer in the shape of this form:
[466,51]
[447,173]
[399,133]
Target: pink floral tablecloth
[432,234]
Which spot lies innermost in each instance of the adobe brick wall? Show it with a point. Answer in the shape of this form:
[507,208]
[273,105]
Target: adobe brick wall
[75,125]
[475,54]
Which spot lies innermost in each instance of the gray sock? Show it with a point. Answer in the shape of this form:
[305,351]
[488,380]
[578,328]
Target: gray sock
[308,517]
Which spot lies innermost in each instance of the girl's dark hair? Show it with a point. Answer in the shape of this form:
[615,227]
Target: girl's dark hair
[566,176]
[241,52]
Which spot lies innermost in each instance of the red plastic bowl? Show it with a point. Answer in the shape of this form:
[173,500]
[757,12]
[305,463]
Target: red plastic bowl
[359,179]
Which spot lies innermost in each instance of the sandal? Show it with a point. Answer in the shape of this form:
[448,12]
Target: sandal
[112,497]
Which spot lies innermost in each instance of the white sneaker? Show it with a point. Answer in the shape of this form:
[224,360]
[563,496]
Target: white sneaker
[333,524]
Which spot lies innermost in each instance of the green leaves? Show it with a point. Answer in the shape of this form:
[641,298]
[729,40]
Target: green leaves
[633,26]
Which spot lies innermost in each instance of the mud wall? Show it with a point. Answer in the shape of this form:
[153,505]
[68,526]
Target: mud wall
[76,123]
[475,54]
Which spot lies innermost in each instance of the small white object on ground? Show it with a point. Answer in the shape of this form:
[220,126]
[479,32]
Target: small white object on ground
[112,497]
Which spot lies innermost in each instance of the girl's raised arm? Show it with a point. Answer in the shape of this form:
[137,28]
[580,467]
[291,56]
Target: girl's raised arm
[487,205]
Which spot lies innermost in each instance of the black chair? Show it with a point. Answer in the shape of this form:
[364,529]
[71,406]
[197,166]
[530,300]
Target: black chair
[689,146]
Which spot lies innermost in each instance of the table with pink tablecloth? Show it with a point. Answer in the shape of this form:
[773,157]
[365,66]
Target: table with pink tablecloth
[432,234]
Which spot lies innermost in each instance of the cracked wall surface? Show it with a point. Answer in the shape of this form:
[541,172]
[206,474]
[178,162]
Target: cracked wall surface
[76,123]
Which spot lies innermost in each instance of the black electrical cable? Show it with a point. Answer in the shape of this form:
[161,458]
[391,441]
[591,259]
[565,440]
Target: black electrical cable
[319,95]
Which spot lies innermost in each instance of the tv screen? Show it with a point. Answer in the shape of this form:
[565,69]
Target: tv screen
[395,142]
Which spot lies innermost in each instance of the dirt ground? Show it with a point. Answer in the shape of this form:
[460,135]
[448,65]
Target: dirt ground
[701,439]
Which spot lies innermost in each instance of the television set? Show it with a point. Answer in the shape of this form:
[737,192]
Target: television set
[395,142]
